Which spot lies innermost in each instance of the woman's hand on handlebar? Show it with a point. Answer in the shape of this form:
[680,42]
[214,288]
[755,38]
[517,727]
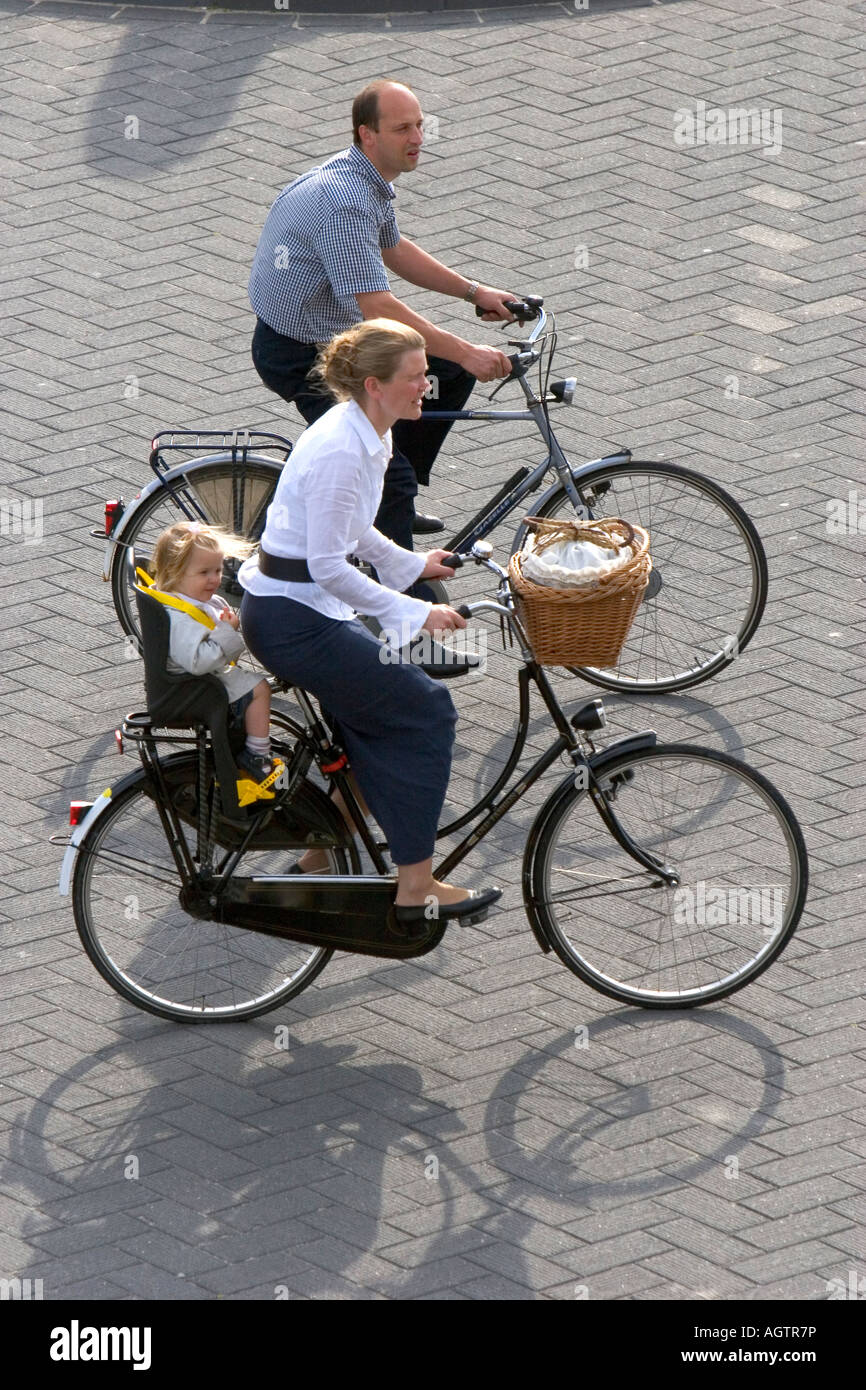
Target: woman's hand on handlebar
[434,569]
[441,618]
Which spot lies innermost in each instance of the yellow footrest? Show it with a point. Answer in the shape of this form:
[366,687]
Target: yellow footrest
[250,791]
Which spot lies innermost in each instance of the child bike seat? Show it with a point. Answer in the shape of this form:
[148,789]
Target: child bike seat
[176,699]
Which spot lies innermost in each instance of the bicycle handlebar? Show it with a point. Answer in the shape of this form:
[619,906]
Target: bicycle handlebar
[530,307]
[525,309]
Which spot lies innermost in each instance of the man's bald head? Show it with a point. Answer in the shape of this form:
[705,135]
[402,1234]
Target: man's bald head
[368,104]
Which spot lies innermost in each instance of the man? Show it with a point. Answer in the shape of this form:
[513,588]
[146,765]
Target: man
[320,266]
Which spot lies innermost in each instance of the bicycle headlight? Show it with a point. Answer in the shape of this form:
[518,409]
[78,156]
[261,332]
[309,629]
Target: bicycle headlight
[563,391]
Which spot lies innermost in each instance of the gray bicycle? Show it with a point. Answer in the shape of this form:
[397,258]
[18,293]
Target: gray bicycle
[709,583]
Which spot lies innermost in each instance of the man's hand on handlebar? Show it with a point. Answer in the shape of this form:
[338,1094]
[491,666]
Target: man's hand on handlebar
[441,618]
[485,363]
[494,303]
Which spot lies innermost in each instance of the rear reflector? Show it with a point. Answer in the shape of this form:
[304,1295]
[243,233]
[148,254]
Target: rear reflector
[78,810]
[113,510]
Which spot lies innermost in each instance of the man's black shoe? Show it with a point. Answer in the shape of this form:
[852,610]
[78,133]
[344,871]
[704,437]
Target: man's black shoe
[426,525]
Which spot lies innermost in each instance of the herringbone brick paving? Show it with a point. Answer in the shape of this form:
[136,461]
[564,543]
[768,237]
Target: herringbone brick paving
[710,1155]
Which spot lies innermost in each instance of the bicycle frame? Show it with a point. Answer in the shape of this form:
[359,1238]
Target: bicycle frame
[567,742]
[525,481]
[242,446]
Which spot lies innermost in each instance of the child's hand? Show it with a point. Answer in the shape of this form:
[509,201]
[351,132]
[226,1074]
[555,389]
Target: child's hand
[229,616]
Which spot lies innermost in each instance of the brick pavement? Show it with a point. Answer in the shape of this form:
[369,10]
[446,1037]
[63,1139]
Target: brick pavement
[605,1172]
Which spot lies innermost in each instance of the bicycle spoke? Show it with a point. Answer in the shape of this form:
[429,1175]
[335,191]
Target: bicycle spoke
[741,873]
[161,948]
[708,587]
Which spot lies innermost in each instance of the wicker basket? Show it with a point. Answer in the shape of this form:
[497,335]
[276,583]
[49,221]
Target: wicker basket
[588,626]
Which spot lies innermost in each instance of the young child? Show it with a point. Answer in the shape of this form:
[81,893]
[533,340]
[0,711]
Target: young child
[187,563]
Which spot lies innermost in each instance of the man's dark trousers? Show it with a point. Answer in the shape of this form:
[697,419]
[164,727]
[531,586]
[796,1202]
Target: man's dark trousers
[283,364]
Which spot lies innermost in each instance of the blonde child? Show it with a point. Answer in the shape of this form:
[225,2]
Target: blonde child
[187,563]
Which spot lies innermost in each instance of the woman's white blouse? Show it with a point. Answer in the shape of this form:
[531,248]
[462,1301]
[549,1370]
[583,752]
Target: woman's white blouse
[323,510]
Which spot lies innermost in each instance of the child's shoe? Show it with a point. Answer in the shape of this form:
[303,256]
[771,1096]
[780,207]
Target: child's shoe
[261,775]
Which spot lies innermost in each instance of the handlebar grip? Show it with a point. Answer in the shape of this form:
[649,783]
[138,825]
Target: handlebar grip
[464,610]
[517,368]
[454,562]
[522,309]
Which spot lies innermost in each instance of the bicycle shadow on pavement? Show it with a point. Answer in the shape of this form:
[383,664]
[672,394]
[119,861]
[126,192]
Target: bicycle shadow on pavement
[318,1172]
[262,1176]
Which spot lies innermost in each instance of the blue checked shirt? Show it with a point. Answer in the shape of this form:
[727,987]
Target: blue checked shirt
[321,245]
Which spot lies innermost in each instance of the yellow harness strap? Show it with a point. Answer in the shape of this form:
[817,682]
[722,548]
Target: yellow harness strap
[148,587]
[248,791]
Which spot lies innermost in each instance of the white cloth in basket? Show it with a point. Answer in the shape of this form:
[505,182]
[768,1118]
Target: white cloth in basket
[571,564]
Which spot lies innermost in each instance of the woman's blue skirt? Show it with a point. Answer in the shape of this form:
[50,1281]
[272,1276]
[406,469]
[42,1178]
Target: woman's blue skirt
[395,722]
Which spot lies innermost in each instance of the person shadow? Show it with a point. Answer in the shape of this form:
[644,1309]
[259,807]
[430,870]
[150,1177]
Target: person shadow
[280,1160]
[238,1169]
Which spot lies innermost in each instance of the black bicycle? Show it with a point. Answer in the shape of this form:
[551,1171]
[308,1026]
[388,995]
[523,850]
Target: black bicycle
[662,875]
[709,583]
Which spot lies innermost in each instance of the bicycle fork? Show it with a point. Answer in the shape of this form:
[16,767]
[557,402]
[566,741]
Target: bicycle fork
[587,771]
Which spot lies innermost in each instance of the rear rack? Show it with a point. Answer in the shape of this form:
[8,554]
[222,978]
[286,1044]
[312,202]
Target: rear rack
[140,727]
[237,442]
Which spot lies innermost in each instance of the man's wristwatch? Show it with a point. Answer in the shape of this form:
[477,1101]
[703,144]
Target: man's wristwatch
[470,294]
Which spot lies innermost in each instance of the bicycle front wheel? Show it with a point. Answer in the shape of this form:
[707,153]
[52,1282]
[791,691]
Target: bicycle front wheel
[708,587]
[235,496]
[725,832]
[151,950]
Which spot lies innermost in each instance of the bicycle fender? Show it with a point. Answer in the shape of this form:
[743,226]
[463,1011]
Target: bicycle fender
[538,509]
[631,743]
[100,805]
[77,836]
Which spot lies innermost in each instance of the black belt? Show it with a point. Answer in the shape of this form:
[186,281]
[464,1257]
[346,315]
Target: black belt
[291,571]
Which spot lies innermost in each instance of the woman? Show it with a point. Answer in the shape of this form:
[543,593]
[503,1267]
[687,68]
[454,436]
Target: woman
[302,595]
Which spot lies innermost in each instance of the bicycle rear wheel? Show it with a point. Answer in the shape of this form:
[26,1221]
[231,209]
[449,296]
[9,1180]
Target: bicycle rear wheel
[725,831]
[151,950]
[235,496]
[708,587]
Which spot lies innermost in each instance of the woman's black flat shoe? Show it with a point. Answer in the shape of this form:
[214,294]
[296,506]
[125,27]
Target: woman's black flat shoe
[468,911]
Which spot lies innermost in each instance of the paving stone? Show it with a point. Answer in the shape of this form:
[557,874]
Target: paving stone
[306,1170]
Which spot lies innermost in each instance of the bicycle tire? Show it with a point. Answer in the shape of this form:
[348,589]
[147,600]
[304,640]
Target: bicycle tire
[727,832]
[125,903]
[232,495]
[708,588]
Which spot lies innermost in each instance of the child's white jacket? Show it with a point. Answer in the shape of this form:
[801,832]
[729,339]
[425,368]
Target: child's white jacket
[207,652]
